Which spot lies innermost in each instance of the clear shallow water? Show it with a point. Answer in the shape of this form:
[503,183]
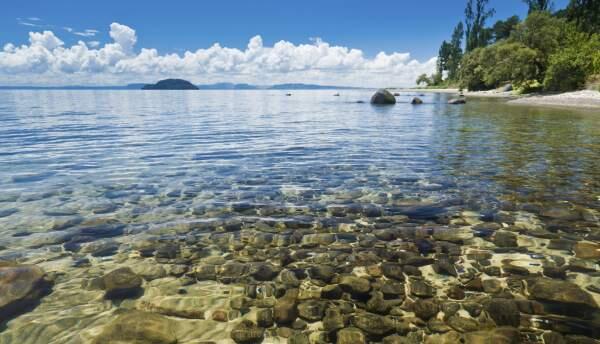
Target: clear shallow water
[89,174]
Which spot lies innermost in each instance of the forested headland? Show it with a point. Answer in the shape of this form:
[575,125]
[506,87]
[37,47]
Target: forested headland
[554,50]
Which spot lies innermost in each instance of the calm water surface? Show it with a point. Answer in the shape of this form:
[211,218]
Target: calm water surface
[167,183]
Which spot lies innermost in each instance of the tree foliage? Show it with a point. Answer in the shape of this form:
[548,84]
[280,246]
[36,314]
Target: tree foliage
[476,14]
[585,14]
[543,33]
[570,67]
[498,64]
[538,5]
[556,52]
[502,29]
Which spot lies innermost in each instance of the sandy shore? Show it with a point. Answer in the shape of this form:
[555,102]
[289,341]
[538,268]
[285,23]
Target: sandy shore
[426,90]
[581,99]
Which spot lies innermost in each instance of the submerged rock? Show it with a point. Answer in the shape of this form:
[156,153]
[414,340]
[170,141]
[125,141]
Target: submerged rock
[545,289]
[383,97]
[246,332]
[138,327]
[587,250]
[373,324]
[121,283]
[21,286]
[351,335]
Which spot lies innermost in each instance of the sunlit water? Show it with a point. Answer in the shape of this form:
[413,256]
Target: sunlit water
[167,164]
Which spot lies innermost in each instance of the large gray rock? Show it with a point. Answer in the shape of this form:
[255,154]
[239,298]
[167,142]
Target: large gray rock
[383,97]
[21,286]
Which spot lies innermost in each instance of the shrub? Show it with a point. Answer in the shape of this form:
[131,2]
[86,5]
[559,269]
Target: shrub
[570,67]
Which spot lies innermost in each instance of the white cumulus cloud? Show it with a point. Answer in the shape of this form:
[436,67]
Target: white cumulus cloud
[47,59]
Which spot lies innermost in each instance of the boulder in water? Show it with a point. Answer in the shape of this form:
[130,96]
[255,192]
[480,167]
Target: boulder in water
[121,283]
[416,101]
[138,327]
[21,286]
[456,101]
[383,97]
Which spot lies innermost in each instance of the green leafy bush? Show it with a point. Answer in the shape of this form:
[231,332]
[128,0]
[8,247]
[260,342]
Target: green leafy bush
[570,67]
[495,65]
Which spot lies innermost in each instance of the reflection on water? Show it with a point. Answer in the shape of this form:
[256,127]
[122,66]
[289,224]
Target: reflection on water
[207,197]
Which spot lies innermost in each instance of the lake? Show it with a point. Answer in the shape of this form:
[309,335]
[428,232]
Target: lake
[186,213]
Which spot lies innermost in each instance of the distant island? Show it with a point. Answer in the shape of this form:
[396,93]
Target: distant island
[215,86]
[171,84]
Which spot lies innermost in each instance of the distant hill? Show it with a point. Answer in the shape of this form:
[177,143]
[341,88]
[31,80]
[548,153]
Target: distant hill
[216,86]
[171,84]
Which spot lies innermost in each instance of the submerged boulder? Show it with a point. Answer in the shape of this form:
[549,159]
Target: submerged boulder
[550,290]
[138,327]
[383,97]
[246,332]
[121,283]
[21,286]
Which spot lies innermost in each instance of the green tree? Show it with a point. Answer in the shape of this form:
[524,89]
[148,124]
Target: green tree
[443,57]
[456,52]
[543,33]
[497,64]
[476,14]
[423,79]
[503,28]
[586,14]
[538,5]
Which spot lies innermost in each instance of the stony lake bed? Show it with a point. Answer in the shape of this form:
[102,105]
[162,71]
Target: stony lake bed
[249,217]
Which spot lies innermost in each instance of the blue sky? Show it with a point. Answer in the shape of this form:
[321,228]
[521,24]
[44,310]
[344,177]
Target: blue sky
[415,27]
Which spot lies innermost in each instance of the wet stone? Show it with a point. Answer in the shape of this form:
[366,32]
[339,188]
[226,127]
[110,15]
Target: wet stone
[587,250]
[331,292]
[311,310]
[425,309]
[462,324]
[456,293]
[121,283]
[373,324]
[246,332]
[421,288]
[355,285]
[322,272]
[264,318]
[351,335]
[545,289]
[393,271]
[501,335]
[333,320]
[21,286]
[392,289]
[505,239]
[285,310]
[138,327]
[504,312]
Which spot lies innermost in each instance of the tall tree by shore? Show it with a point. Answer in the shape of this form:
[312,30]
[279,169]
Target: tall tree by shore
[476,14]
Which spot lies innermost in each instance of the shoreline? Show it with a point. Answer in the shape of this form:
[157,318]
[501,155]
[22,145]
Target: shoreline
[584,99]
